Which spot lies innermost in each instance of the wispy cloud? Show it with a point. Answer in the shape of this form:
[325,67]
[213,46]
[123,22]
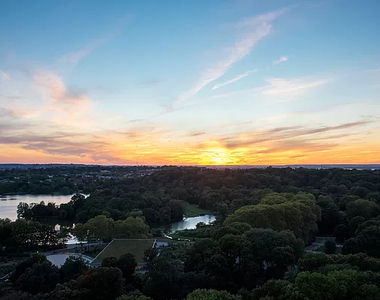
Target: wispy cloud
[281,134]
[196,134]
[71,60]
[74,58]
[4,76]
[251,30]
[11,121]
[6,113]
[149,82]
[241,76]
[292,145]
[280,60]
[290,88]
[56,143]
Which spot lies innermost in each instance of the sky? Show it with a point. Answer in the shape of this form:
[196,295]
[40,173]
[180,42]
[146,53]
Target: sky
[216,82]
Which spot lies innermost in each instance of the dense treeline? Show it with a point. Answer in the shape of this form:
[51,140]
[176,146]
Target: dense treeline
[282,211]
[63,180]
[237,262]
[24,235]
[255,249]
[159,195]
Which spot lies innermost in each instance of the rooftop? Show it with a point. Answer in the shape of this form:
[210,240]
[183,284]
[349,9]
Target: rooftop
[118,247]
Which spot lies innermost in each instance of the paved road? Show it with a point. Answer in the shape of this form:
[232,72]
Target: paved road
[74,248]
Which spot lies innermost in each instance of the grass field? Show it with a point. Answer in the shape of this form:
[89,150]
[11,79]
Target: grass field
[193,210]
[119,247]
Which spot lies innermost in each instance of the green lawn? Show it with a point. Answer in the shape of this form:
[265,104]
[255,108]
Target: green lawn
[193,210]
[119,247]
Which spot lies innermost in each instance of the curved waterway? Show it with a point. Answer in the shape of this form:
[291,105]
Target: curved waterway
[8,209]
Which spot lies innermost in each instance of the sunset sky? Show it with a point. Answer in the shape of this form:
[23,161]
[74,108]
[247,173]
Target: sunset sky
[190,82]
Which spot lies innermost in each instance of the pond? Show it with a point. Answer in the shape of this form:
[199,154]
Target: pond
[8,204]
[8,209]
[189,223]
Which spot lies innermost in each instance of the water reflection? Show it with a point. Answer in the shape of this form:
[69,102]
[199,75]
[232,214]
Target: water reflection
[8,209]
[8,204]
[190,223]
[72,238]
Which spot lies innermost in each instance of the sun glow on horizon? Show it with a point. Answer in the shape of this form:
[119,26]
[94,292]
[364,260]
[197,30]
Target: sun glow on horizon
[145,87]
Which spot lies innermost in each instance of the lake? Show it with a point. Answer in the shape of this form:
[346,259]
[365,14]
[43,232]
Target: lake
[190,223]
[8,209]
[8,204]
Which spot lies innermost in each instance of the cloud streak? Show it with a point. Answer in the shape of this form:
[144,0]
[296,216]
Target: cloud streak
[253,138]
[72,59]
[280,60]
[252,30]
[241,76]
[290,88]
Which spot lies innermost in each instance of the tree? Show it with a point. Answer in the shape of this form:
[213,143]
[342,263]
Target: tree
[222,211]
[283,257]
[101,227]
[131,228]
[368,292]
[374,222]
[25,232]
[314,261]
[80,232]
[200,251]
[78,201]
[265,240]
[341,232]
[73,267]
[23,210]
[127,264]
[241,227]
[329,215]
[317,286]
[109,262]
[23,266]
[330,246]
[350,246]
[271,288]
[354,224]
[131,297]
[369,240]
[177,209]
[101,283]
[165,278]
[299,214]
[364,208]
[211,295]
[40,278]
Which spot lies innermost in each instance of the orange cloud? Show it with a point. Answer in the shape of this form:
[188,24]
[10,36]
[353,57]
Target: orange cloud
[154,151]
[58,96]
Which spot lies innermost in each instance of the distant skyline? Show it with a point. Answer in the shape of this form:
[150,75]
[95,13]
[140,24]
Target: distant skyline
[190,82]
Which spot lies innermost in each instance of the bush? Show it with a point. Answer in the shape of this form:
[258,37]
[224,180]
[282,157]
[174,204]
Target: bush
[330,246]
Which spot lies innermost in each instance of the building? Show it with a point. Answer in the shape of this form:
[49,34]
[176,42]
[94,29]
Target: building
[137,247]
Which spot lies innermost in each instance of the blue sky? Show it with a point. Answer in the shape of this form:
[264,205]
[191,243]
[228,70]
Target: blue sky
[190,82]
